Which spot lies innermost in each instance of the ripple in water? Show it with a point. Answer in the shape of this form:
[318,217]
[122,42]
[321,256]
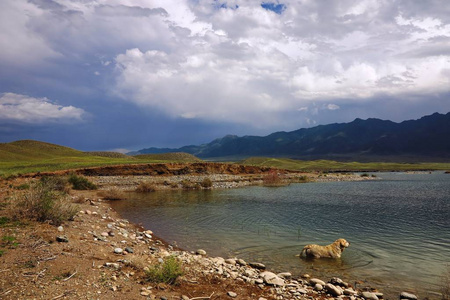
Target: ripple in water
[398,226]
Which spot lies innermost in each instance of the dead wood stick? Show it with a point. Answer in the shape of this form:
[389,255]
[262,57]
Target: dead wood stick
[70,276]
[202,298]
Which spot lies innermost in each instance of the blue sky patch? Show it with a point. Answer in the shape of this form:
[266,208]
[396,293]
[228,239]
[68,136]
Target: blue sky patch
[275,7]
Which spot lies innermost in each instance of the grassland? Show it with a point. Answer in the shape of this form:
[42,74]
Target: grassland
[330,166]
[27,156]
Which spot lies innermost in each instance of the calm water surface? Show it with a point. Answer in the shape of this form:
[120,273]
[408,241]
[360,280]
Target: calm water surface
[398,226]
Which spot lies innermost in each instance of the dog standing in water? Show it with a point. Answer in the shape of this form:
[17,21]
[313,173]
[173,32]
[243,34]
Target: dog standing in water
[333,250]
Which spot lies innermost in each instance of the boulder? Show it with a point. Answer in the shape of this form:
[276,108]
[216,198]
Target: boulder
[272,279]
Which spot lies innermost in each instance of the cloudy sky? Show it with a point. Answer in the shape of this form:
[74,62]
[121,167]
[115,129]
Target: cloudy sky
[128,74]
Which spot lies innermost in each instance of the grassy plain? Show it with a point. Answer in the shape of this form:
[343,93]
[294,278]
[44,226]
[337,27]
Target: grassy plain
[29,156]
[334,166]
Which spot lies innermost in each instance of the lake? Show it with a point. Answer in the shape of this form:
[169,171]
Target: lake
[398,227]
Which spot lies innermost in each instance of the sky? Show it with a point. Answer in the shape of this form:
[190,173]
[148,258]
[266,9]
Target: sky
[129,74]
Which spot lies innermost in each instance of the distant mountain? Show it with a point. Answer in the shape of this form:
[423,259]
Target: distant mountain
[428,137]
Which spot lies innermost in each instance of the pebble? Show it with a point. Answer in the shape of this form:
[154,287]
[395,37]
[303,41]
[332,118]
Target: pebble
[184,297]
[314,281]
[369,296]
[409,296]
[318,287]
[200,252]
[272,279]
[334,290]
[118,250]
[113,265]
[232,294]
[257,265]
[241,262]
[230,261]
[62,239]
[129,250]
[285,275]
[60,229]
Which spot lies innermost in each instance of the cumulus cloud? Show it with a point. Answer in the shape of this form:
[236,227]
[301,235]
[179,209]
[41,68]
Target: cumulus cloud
[241,60]
[25,109]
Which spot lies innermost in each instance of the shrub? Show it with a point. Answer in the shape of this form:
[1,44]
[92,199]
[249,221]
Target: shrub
[55,183]
[81,183]
[165,272]
[43,204]
[206,183]
[189,185]
[273,179]
[145,187]
[113,194]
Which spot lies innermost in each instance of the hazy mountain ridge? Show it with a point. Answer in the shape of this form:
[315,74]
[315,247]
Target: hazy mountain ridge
[428,136]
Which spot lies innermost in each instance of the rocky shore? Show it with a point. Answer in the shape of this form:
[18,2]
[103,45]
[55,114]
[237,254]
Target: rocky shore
[98,255]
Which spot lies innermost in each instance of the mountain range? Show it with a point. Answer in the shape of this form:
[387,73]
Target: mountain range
[427,138]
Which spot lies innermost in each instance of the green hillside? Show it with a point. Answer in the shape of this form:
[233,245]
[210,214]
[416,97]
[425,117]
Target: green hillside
[328,165]
[172,157]
[29,150]
[27,156]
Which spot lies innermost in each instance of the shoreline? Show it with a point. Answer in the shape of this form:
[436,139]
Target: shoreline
[98,272]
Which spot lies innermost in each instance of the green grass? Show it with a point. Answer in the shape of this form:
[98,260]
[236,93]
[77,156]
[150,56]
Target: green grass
[24,157]
[166,272]
[171,157]
[328,165]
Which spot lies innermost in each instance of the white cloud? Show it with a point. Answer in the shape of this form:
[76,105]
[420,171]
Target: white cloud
[22,108]
[332,107]
[234,60]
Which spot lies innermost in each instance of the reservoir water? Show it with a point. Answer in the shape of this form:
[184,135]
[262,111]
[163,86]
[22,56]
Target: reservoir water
[398,227]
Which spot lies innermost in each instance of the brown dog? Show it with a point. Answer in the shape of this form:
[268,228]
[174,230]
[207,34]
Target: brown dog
[331,251]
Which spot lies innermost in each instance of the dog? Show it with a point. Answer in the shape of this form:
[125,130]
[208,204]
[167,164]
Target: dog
[333,250]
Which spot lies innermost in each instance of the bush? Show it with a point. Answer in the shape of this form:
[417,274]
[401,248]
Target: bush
[206,183]
[166,272]
[189,185]
[145,187]
[43,204]
[273,179]
[81,183]
[55,183]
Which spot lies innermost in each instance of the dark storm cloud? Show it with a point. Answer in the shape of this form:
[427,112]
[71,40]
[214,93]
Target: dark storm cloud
[165,72]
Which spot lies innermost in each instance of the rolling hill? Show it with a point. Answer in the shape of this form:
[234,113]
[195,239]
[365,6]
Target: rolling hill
[425,139]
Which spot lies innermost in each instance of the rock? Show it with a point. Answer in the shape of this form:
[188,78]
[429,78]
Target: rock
[230,261]
[88,212]
[257,265]
[232,294]
[200,252]
[60,229]
[261,298]
[285,275]
[314,281]
[409,296]
[306,276]
[318,287]
[272,279]
[129,250]
[302,291]
[145,293]
[349,292]
[333,290]
[259,281]
[113,265]
[184,297]
[104,233]
[369,296]
[62,239]
[118,250]
[241,262]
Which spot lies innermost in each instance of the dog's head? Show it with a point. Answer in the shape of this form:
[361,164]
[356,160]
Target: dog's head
[342,243]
